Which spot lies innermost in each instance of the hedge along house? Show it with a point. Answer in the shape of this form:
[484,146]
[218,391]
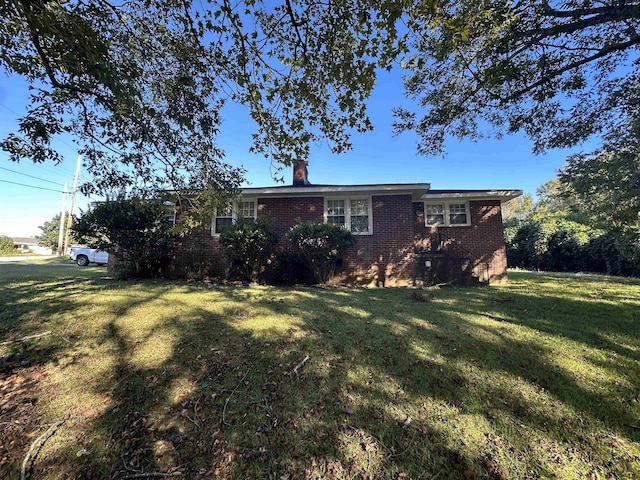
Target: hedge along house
[406,233]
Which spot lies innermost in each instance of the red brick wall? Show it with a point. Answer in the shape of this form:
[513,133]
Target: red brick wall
[482,241]
[387,254]
[284,212]
[202,251]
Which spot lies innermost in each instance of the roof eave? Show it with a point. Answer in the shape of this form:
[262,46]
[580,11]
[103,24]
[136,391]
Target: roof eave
[502,195]
[416,190]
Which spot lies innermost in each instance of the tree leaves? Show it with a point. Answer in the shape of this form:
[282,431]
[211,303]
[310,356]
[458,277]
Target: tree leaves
[140,85]
[607,184]
[551,70]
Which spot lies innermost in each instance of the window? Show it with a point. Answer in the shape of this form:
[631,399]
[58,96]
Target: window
[225,216]
[170,213]
[458,214]
[434,214]
[222,219]
[246,209]
[447,214]
[359,215]
[352,213]
[336,212]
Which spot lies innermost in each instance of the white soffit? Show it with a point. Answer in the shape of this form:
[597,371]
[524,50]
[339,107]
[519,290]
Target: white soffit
[502,195]
[415,189]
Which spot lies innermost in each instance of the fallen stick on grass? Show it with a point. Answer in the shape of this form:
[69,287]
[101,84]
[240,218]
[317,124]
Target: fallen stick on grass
[297,367]
[150,475]
[224,410]
[28,337]
[39,442]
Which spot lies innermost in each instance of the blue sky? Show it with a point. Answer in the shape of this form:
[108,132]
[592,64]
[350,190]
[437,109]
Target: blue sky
[377,157]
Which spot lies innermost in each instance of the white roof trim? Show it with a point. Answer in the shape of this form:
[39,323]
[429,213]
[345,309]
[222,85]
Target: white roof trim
[416,189]
[502,195]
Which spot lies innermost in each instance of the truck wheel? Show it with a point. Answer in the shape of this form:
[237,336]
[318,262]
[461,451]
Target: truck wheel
[82,260]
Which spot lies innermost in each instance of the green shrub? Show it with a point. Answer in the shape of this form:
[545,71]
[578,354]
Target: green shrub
[133,230]
[288,268]
[6,246]
[249,245]
[555,243]
[321,244]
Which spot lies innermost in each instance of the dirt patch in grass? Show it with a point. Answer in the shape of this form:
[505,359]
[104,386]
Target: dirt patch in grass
[21,420]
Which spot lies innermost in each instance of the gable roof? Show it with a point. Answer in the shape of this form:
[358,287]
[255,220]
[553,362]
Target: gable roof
[25,240]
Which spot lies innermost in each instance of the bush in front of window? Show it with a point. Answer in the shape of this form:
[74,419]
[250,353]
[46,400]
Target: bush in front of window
[249,244]
[322,244]
[288,268]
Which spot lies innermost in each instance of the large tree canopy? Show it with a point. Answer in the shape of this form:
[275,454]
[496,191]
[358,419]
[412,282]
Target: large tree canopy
[141,84]
[607,183]
[558,70]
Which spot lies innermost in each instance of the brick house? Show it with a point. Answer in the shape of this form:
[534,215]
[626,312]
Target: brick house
[404,231]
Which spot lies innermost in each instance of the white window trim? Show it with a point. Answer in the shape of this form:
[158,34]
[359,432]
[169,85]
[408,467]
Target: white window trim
[347,211]
[168,204]
[234,213]
[446,213]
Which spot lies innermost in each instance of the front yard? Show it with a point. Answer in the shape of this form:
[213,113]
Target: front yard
[536,379]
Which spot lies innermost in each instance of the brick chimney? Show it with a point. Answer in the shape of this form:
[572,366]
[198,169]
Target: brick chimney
[300,174]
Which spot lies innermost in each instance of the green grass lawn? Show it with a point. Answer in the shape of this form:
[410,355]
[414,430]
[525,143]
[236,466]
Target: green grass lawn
[539,378]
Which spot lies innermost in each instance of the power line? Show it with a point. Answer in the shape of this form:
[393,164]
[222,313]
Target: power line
[9,109]
[32,186]
[19,115]
[54,170]
[31,176]
[48,169]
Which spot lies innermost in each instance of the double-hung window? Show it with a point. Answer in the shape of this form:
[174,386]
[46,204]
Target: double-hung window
[336,211]
[354,214]
[245,209]
[447,214]
[225,216]
[170,213]
[434,214]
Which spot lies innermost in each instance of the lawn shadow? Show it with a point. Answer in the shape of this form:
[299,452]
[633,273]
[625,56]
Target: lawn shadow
[391,387]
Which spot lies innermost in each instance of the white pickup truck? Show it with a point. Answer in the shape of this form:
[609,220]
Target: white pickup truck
[85,256]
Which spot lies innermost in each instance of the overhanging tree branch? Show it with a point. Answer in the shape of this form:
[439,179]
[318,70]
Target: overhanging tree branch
[619,14]
[554,74]
[547,10]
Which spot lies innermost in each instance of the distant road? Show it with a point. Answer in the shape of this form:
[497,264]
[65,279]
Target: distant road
[26,258]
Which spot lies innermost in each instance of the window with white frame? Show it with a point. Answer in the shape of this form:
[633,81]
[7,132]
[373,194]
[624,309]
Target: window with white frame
[225,216]
[222,219]
[434,214]
[246,208]
[336,211]
[352,213]
[170,213]
[447,214]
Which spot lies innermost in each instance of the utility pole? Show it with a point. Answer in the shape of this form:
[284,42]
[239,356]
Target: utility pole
[63,217]
[73,199]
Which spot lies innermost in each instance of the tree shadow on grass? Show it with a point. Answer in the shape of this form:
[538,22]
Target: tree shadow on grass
[391,387]
[218,405]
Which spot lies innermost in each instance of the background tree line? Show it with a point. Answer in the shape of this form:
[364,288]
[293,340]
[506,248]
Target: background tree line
[559,232]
